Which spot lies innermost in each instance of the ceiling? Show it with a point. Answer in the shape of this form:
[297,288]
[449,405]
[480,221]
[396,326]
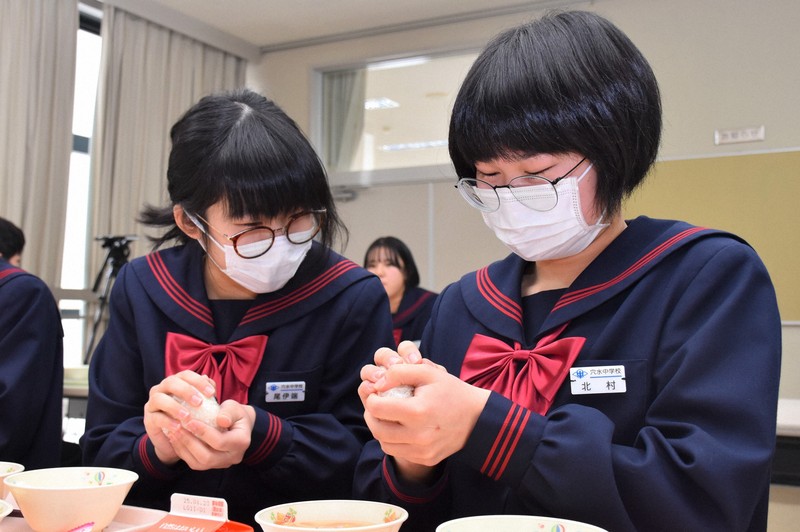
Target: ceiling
[278,24]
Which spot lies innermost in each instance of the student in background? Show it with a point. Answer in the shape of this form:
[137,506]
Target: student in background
[391,260]
[12,241]
[253,308]
[31,361]
[619,372]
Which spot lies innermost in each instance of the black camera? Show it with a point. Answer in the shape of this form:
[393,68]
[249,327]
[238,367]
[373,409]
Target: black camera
[116,241]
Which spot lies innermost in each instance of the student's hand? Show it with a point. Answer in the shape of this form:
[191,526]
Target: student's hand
[429,426]
[164,414]
[407,353]
[204,447]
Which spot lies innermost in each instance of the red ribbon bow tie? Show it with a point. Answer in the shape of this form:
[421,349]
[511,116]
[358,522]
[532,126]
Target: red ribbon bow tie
[530,378]
[397,333]
[234,372]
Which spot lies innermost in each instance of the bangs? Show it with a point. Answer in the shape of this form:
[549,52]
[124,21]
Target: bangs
[380,253]
[498,135]
[511,111]
[508,132]
[265,173]
[530,92]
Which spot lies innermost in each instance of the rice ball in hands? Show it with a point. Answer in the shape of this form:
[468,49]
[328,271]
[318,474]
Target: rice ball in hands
[403,390]
[206,411]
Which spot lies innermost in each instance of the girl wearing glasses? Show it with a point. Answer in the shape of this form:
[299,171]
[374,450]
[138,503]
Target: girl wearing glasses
[253,309]
[618,372]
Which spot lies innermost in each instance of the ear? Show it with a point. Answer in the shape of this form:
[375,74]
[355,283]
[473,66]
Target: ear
[184,223]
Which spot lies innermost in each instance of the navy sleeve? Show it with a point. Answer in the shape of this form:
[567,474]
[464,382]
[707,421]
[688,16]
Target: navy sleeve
[115,416]
[31,373]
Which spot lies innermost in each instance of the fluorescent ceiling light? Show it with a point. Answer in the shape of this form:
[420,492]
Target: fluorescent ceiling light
[414,145]
[399,63]
[380,103]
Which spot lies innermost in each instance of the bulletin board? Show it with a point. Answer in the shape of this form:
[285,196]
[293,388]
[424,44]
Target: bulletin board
[754,196]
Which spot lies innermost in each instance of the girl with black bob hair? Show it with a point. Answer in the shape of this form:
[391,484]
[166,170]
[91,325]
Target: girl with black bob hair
[394,251]
[597,373]
[229,367]
[390,259]
[569,84]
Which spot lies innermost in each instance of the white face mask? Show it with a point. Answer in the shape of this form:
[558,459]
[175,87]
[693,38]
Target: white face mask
[266,273]
[535,235]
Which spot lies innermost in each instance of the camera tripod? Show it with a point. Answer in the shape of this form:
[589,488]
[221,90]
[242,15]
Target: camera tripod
[117,256]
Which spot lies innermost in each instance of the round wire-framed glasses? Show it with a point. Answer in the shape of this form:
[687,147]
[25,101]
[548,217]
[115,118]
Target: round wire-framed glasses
[534,191]
[255,241]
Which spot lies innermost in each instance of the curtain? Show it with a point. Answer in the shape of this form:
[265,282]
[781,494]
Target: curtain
[343,109]
[37,80]
[149,77]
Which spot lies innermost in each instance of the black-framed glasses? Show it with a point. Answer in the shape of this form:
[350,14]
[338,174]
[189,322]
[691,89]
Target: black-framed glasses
[534,191]
[255,241]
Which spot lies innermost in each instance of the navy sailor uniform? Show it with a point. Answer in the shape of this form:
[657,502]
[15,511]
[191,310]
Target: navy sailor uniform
[319,330]
[691,315]
[31,370]
[413,313]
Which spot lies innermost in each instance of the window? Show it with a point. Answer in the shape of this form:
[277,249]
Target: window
[388,121]
[73,276]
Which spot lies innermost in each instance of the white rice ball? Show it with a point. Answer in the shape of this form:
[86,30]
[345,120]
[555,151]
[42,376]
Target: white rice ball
[206,412]
[398,391]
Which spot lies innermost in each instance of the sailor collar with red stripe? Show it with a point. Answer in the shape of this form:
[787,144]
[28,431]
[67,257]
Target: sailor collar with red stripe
[8,271]
[173,279]
[493,293]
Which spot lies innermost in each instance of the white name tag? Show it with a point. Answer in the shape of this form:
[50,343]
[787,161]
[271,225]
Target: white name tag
[285,392]
[597,379]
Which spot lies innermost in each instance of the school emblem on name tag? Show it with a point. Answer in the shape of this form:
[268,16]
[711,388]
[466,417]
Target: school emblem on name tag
[285,392]
[597,379]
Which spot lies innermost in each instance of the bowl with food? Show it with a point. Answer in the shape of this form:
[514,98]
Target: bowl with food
[515,523]
[340,515]
[8,468]
[65,498]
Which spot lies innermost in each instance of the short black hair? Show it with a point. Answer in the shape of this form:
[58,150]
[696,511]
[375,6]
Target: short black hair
[240,147]
[12,239]
[570,81]
[395,249]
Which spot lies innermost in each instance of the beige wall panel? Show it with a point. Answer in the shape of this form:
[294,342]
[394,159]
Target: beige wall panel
[753,196]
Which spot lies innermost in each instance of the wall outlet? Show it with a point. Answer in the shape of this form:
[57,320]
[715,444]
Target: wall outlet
[733,136]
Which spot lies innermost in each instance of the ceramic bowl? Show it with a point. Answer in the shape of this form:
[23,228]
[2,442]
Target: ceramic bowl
[340,515]
[5,509]
[63,498]
[515,523]
[8,468]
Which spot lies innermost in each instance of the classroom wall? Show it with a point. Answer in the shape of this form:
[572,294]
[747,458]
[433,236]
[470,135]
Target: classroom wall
[720,64]
[754,196]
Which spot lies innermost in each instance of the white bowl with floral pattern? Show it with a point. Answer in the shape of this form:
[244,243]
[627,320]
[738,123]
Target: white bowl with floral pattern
[63,498]
[515,523]
[340,515]
[8,468]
